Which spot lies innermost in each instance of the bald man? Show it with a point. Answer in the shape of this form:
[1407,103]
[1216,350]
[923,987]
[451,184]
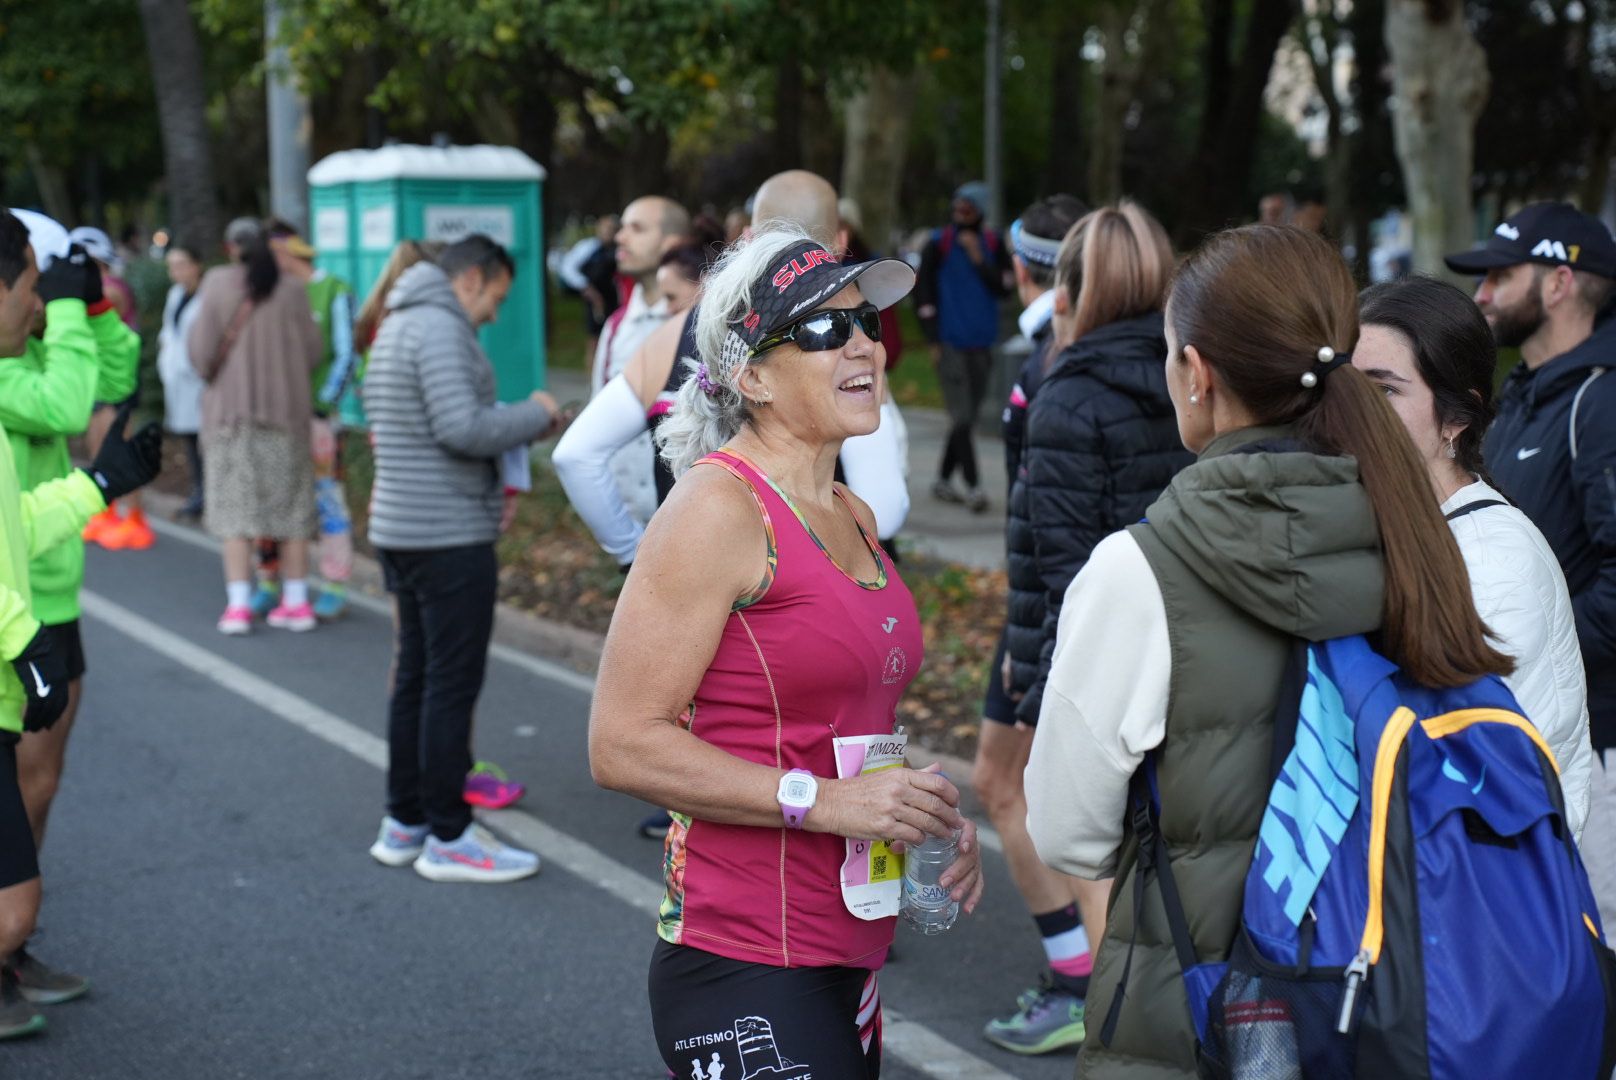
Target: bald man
[802,198]
[651,227]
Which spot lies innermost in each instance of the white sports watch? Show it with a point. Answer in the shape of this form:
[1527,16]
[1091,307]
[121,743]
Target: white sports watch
[798,790]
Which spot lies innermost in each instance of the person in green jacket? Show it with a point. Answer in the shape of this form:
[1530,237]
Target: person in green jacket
[47,393]
[34,693]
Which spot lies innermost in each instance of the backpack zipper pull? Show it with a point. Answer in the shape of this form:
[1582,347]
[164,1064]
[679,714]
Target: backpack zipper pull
[1357,972]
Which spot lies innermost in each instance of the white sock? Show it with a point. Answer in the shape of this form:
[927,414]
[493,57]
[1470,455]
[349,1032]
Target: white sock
[294,592]
[238,594]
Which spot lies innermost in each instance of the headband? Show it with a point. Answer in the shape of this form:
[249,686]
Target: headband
[1033,249]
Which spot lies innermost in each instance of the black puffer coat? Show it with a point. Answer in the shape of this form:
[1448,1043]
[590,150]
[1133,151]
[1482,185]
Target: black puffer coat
[1102,443]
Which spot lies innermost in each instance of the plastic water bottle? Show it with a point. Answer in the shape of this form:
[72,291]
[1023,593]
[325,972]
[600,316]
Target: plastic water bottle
[926,905]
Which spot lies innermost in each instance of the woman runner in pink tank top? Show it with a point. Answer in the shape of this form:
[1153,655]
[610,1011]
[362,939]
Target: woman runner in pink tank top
[754,663]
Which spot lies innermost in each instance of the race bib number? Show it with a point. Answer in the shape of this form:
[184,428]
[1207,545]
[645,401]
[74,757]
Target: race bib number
[872,873]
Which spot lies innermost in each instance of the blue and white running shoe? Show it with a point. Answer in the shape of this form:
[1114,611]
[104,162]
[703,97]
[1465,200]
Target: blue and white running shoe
[398,844]
[476,855]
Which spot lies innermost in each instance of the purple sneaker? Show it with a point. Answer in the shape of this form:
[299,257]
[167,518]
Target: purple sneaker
[487,786]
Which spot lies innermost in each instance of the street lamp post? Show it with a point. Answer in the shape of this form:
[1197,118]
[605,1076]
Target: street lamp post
[993,148]
[289,128]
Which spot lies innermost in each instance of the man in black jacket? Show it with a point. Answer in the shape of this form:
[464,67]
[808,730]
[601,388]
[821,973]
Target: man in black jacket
[1548,290]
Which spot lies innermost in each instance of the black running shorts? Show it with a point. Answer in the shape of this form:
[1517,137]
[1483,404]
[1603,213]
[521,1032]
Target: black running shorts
[18,860]
[67,641]
[721,1019]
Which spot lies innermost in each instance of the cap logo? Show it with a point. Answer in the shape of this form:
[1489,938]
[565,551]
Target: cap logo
[1551,249]
[799,266]
[751,321]
[1575,250]
[1508,231]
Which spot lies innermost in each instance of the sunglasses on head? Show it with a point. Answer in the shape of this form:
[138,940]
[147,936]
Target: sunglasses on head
[819,331]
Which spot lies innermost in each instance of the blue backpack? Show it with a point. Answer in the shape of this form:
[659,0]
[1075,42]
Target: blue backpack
[1415,906]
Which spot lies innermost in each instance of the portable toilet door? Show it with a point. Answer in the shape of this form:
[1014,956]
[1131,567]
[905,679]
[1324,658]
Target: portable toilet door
[445,193]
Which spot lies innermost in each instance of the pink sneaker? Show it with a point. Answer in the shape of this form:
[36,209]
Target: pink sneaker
[296,619]
[236,621]
[488,787]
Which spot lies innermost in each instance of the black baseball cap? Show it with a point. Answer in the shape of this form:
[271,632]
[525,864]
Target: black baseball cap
[806,275]
[1553,234]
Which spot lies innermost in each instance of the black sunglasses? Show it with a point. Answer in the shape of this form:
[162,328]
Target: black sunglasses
[819,331]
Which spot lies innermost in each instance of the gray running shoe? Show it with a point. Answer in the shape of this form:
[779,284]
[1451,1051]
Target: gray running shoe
[42,984]
[398,844]
[1047,1019]
[476,855]
[18,1017]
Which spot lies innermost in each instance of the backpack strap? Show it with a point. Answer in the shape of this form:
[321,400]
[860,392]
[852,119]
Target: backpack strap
[1576,403]
[1470,508]
[1154,858]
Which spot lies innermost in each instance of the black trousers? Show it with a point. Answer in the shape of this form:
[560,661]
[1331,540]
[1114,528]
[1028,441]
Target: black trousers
[445,617]
[963,375]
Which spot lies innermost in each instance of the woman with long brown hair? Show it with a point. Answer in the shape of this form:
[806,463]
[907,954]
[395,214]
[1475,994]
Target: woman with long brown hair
[1307,514]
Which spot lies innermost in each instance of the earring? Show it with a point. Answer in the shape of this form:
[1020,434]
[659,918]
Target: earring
[1452,453]
[1195,399]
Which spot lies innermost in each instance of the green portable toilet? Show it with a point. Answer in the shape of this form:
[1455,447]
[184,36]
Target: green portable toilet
[363,202]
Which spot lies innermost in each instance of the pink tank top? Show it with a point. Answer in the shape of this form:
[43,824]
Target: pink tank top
[811,654]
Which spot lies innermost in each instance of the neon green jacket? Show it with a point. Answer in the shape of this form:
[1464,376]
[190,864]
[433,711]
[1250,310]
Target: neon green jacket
[46,395]
[31,523]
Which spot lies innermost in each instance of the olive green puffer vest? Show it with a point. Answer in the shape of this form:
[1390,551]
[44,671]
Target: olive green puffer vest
[1254,545]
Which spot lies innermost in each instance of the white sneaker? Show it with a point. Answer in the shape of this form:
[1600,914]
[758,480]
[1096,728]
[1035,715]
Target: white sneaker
[398,844]
[477,855]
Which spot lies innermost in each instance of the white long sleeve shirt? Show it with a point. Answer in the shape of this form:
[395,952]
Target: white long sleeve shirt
[1521,596]
[1104,707]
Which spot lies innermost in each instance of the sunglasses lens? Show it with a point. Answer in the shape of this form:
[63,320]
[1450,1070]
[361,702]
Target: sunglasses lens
[869,320]
[824,330]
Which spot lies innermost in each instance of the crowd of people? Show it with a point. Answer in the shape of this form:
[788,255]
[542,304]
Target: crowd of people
[1211,456]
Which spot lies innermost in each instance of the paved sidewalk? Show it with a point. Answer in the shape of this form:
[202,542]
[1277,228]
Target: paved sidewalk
[944,530]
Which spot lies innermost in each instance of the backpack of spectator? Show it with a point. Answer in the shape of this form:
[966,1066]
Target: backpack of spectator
[1416,906]
[945,242]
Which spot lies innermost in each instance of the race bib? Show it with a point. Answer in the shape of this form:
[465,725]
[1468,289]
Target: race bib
[872,873]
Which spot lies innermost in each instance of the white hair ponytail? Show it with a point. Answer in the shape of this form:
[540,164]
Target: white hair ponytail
[709,413]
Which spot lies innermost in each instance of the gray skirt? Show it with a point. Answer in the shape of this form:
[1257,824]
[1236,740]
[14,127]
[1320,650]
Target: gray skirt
[258,484]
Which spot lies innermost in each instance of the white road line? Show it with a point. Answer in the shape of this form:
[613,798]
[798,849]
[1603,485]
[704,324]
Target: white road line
[912,1043]
[534,665]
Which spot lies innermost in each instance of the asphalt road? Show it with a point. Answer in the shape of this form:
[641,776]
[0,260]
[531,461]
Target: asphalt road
[207,867]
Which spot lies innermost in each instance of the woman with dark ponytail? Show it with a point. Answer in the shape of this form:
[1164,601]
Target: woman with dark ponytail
[255,343]
[1427,348]
[1306,514]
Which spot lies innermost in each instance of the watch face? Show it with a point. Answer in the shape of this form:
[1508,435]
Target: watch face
[796,790]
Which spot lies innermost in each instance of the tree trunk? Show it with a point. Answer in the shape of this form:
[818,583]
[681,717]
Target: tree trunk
[176,67]
[1064,165]
[1110,109]
[819,149]
[1592,198]
[877,125]
[1440,78]
[788,93]
[1118,89]
[1368,143]
[1228,141]
[52,184]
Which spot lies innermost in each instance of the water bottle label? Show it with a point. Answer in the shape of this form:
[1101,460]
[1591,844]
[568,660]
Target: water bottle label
[926,895]
[872,873]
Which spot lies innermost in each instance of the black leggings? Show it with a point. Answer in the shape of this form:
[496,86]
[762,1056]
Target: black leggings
[721,1019]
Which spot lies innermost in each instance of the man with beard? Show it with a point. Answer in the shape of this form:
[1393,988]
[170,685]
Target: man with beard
[1548,291]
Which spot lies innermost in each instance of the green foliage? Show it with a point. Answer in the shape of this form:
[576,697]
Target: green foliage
[74,79]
